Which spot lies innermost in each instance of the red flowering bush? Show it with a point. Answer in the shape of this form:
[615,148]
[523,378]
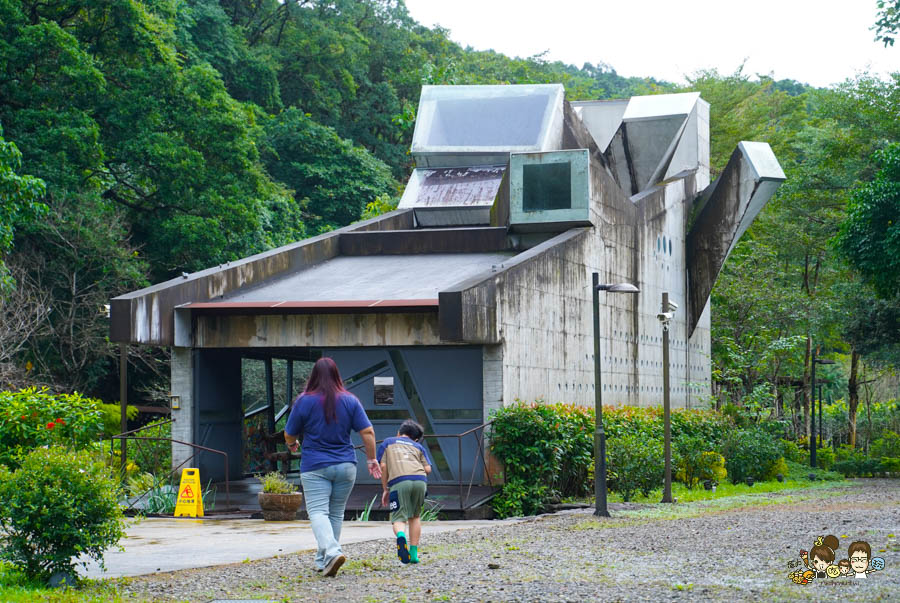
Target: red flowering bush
[35,417]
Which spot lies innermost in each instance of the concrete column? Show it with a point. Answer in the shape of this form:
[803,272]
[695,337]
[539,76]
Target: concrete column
[492,396]
[492,379]
[183,428]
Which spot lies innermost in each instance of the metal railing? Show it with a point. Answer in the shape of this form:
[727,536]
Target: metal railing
[481,456]
[139,440]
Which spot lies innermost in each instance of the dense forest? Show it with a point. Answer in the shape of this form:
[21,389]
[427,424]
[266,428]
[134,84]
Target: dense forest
[142,139]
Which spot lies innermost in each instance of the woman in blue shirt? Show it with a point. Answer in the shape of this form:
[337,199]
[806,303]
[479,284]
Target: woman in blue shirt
[320,423]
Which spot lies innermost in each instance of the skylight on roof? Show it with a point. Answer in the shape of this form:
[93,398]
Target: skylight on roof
[473,119]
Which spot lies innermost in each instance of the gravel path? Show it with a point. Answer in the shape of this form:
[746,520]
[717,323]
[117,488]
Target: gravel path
[728,549]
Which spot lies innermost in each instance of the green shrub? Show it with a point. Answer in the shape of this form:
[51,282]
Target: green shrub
[887,445]
[275,483]
[749,453]
[860,466]
[34,417]
[707,425]
[546,449]
[56,506]
[111,415]
[824,458]
[891,464]
[870,468]
[847,468]
[778,467]
[801,471]
[712,467]
[153,456]
[845,452]
[635,463]
[135,485]
[791,452]
[519,498]
[688,453]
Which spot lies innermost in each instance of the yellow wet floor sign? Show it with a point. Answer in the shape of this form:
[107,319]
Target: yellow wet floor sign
[190,498]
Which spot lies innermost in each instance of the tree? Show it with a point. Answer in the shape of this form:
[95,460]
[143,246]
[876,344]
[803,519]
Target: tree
[333,180]
[870,235]
[888,22]
[19,201]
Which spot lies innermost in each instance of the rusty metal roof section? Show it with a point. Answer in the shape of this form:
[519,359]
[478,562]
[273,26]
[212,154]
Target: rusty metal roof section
[460,196]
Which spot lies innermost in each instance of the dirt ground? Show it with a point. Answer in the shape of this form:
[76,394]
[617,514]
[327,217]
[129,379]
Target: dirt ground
[731,549]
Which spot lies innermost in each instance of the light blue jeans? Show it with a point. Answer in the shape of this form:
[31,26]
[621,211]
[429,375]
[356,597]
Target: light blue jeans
[326,491]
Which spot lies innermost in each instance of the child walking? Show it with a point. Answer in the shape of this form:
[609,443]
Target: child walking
[405,466]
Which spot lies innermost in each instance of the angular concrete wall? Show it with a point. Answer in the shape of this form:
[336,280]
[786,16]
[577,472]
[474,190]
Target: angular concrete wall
[536,308]
[724,212]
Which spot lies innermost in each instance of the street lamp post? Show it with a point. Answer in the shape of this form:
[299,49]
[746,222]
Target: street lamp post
[812,395]
[820,415]
[665,316]
[600,508]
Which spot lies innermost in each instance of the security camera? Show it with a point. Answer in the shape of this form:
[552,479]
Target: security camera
[665,316]
[672,306]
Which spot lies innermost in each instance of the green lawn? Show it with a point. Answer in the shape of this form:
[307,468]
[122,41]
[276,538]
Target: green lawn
[16,588]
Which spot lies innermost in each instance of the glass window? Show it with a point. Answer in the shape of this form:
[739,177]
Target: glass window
[472,117]
[546,186]
[478,122]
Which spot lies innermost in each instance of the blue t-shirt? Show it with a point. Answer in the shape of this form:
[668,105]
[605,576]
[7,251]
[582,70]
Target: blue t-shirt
[324,444]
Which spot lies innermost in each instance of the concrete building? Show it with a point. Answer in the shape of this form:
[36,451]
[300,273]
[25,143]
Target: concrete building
[476,291]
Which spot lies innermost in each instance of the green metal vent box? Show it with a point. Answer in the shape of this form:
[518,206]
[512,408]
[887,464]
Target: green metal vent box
[549,191]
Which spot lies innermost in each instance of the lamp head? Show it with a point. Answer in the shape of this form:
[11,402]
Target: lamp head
[618,288]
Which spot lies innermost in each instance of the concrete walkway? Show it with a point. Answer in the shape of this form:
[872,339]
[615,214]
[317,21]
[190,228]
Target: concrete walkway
[163,545]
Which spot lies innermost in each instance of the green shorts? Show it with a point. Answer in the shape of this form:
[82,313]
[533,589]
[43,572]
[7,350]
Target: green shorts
[410,496]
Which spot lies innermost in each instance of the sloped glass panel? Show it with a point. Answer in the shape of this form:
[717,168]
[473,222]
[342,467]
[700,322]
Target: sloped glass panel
[471,118]
[475,122]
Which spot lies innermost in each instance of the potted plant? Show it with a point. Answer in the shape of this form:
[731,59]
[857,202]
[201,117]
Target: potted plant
[279,499]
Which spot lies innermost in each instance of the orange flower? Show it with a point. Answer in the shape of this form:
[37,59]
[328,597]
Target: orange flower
[51,425]
[23,417]
[61,421]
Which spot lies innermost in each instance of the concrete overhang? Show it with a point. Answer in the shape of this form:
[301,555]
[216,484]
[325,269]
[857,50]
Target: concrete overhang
[723,212]
[147,316]
[367,273]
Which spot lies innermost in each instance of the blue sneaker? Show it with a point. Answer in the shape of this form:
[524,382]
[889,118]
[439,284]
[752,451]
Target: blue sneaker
[402,550]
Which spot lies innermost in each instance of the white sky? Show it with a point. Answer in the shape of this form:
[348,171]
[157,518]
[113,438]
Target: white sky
[819,42]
